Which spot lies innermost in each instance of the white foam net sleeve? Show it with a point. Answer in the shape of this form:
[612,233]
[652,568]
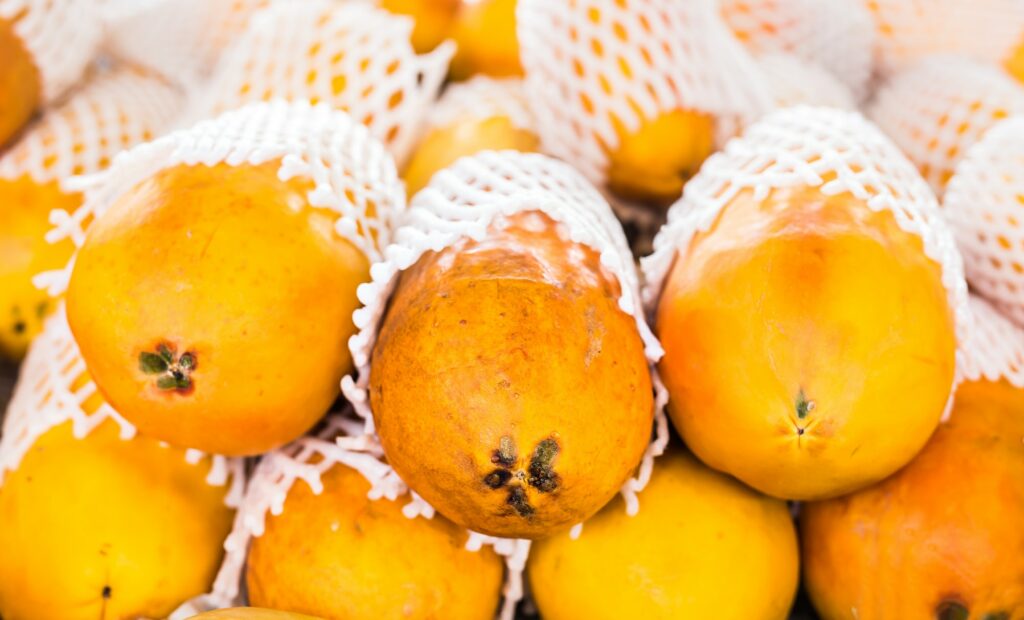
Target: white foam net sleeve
[802,146]
[109,112]
[180,39]
[985,206]
[995,348]
[466,200]
[61,35]
[837,34]
[53,388]
[935,110]
[482,97]
[352,173]
[340,441]
[795,81]
[352,55]
[910,30]
[589,61]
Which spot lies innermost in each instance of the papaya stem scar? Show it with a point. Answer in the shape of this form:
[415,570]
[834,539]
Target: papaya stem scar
[172,371]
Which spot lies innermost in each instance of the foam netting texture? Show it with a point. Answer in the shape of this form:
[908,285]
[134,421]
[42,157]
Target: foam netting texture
[837,151]
[61,35]
[467,199]
[795,81]
[588,62]
[910,30]
[340,442]
[483,97]
[935,110]
[995,348]
[353,174]
[180,39]
[837,34]
[111,111]
[353,55]
[54,387]
[985,206]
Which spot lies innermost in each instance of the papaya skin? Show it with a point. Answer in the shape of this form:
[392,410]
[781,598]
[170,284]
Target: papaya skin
[24,221]
[20,84]
[101,527]
[702,546]
[508,388]
[443,146]
[485,35]
[432,18]
[942,536]
[341,555]
[652,164]
[1014,64]
[809,344]
[213,307]
[251,613]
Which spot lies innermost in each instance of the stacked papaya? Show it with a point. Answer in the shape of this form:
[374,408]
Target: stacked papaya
[333,310]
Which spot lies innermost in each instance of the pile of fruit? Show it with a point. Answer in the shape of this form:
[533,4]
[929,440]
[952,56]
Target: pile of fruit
[452,309]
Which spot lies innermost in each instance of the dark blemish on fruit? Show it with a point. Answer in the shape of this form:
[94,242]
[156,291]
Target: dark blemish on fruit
[505,455]
[951,610]
[497,478]
[107,592]
[172,372]
[542,473]
[800,430]
[41,309]
[20,327]
[517,499]
[803,405]
[996,615]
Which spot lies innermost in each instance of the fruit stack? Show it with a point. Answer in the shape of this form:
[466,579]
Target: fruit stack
[452,309]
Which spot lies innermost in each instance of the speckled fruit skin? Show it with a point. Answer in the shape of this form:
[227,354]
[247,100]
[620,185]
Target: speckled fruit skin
[229,269]
[508,387]
[102,527]
[809,343]
[20,86]
[25,207]
[341,555]
[702,546]
[943,538]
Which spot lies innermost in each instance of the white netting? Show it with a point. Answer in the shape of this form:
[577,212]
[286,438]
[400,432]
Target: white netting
[61,35]
[937,109]
[588,62]
[352,55]
[795,81]
[985,206]
[54,388]
[180,39]
[909,30]
[465,201]
[995,348]
[838,35]
[111,111]
[352,172]
[341,441]
[480,98]
[800,147]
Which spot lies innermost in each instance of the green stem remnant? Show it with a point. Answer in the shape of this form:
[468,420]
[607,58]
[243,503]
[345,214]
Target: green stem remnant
[951,610]
[540,473]
[803,406]
[172,372]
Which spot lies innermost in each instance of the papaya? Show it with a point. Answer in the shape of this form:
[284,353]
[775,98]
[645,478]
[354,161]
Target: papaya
[20,83]
[339,554]
[701,546]
[942,537]
[485,33]
[809,343]
[212,305]
[508,387]
[432,20]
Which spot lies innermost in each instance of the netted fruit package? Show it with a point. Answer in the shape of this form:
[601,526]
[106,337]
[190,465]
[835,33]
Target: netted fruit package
[797,81]
[354,56]
[994,349]
[838,35]
[983,202]
[936,109]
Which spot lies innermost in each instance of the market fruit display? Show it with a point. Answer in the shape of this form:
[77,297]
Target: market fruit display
[511,309]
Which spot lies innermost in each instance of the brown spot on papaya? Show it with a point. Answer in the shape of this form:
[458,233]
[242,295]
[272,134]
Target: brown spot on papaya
[505,455]
[951,610]
[542,473]
[497,478]
[517,499]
